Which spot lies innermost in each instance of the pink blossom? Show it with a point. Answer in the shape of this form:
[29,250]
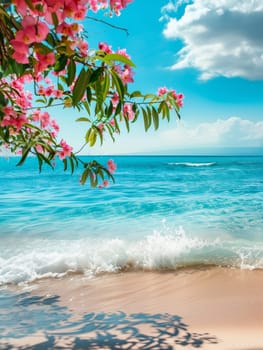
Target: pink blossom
[83,47]
[49,91]
[36,115]
[26,78]
[44,119]
[105,47]
[111,166]
[48,80]
[115,99]
[11,118]
[66,150]
[58,93]
[123,53]
[47,59]
[128,112]
[104,184]
[162,91]
[41,90]
[41,31]
[126,75]
[44,61]
[80,13]
[94,5]
[27,20]
[76,28]
[27,35]
[54,125]
[101,127]
[39,148]
[179,100]
[21,51]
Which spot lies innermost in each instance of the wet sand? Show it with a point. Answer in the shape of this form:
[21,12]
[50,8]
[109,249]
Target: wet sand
[208,308]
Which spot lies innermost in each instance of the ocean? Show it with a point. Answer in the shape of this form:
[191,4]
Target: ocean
[163,213]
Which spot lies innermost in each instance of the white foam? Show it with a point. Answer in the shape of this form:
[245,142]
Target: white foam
[190,164]
[43,258]
[165,249]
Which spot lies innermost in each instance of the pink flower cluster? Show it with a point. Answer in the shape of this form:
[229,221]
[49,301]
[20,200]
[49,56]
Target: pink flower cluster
[66,150]
[128,112]
[111,168]
[14,119]
[177,97]
[38,21]
[125,72]
[15,115]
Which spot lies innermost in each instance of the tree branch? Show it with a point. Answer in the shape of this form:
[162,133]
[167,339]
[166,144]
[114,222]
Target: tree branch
[108,24]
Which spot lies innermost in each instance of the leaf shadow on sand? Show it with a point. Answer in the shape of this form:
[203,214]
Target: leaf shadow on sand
[24,317]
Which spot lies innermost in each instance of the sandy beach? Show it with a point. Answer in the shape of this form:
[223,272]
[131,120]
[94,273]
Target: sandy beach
[208,308]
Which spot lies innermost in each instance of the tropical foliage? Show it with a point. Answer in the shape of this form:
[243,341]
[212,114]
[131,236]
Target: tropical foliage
[43,46]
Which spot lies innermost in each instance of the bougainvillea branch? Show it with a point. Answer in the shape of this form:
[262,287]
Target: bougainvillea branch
[42,45]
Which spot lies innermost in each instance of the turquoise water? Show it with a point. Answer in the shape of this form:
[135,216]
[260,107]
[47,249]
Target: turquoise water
[163,212]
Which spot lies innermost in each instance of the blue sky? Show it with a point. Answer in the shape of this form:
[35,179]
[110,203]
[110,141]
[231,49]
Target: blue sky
[211,51]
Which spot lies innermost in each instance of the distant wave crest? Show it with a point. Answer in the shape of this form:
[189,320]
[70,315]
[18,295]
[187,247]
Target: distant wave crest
[191,164]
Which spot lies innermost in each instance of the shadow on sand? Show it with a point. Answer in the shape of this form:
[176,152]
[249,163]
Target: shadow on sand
[24,315]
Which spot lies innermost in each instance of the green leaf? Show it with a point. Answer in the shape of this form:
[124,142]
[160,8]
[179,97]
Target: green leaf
[145,119]
[118,108]
[127,123]
[149,114]
[100,134]
[147,96]
[99,96]
[93,137]
[71,72]
[111,131]
[80,86]
[165,111]
[50,40]
[105,85]
[155,118]
[60,87]
[55,19]
[72,166]
[65,164]
[93,179]
[3,101]
[50,101]
[118,84]
[95,75]
[84,176]
[120,58]
[86,106]
[25,153]
[40,161]
[109,110]
[60,63]
[89,94]
[135,94]
[88,135]
[83,119]
[116,124]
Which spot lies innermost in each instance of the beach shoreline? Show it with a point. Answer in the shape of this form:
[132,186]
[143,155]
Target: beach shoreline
[209,308]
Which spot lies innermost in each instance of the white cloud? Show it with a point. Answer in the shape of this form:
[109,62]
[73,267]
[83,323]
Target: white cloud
[220,37]
[231,132]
